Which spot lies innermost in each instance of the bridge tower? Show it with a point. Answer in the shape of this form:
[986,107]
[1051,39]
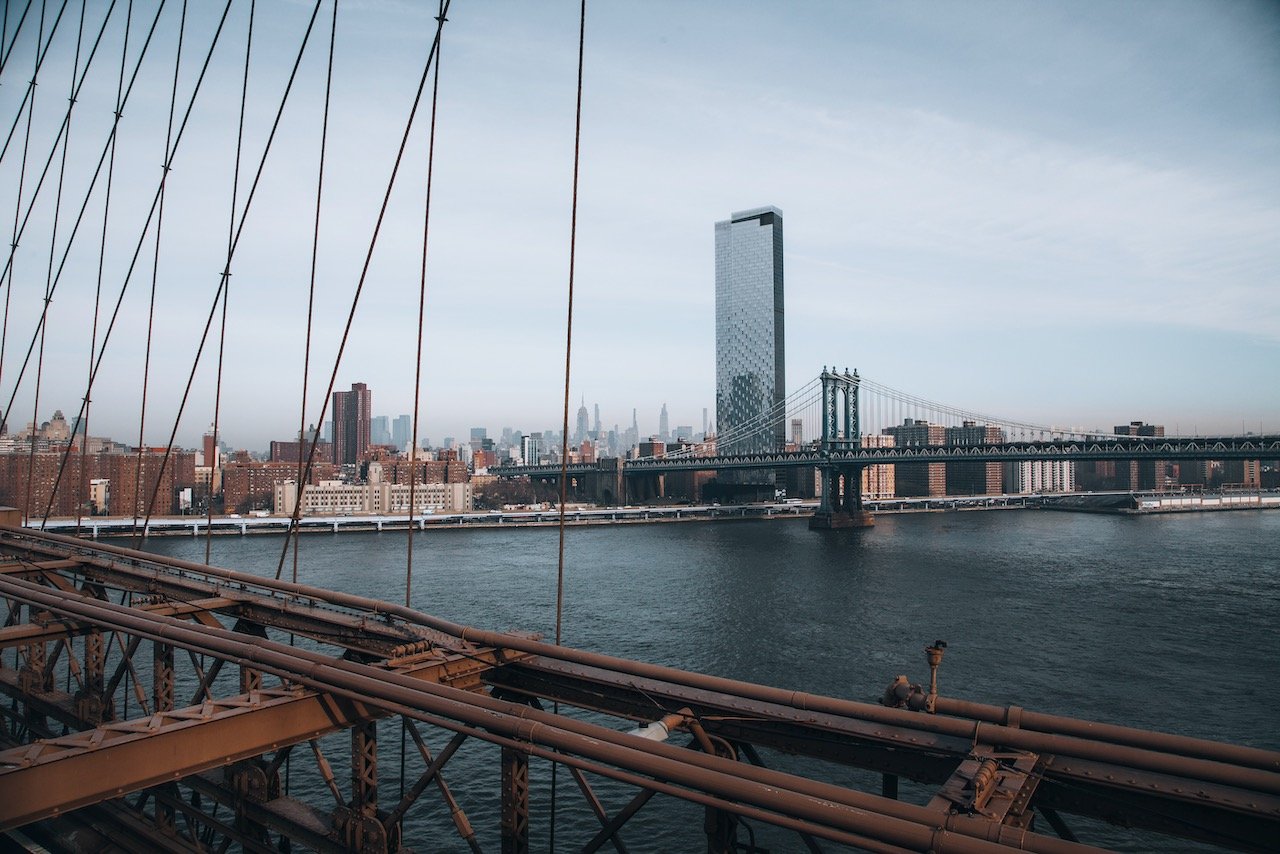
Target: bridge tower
[841,505]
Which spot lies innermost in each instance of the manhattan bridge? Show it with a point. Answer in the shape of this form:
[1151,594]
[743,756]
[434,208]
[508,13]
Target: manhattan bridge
[159,704]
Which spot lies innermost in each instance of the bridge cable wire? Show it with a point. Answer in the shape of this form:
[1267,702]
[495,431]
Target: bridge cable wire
[42,50]
[417,367]
[53,253]
[30,104]
[7,51]
[219,294]
[568,352]
[226,270]
[155,272]
[422,304]
[44,173]
[311,286]
[75,229]
[146,228]
[359,289]
[102,250]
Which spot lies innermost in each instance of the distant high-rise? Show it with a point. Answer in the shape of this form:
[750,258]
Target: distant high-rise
[352,422]
[402,432]
[597,429]
[664,425]
[583,423]
[380,430]
[750,342]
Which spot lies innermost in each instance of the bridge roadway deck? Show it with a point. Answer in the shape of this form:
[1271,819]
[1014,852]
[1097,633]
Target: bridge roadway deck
[359,659]
[1127,448]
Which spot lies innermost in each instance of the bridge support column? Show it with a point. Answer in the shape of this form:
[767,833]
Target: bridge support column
[841,507]
[515,802]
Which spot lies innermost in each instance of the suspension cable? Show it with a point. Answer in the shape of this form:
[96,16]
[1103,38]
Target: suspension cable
[75,229]
[568,351]
[7,51]
[41,53]
[31,105]
[239,232]
[422,304]
[48,282]
[155,273]
[146,227]
[364,274]
[226,270]
[311,288]
[102,247]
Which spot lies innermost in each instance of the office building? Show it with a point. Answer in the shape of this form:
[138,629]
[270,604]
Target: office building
[402,432]
[913,480]
[352,423]
[580,435]
[1141,474]
[969,478]
[878,481]
[380,430]
[1039,476]
[750,342]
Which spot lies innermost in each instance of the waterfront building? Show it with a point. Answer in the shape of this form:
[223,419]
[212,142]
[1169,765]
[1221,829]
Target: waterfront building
[878,482]
[968,478]
[1141,474]
[1039,476]
[750,342]
[917,480]
[136,483]
[335,498]
[248,486]
[531,448]
[352,423]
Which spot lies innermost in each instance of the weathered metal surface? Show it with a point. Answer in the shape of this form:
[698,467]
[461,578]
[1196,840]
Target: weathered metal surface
[998,769]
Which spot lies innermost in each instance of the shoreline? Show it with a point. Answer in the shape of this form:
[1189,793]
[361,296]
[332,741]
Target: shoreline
[1117,504]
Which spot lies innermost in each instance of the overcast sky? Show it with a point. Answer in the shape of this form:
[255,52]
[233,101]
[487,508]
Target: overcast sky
[1064,213]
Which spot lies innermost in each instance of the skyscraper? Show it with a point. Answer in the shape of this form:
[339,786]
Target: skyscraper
[580,434]
[664,426]
[402,432]
[352,417]
[750,344]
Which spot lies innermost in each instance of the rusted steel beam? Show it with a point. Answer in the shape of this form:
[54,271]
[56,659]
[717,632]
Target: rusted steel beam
[53,776]
[56,630]
[819,809]
[1181,745]
[515,801]
[131,755]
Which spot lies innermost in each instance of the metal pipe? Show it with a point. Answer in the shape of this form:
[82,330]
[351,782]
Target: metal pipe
[990,733]
[526,729]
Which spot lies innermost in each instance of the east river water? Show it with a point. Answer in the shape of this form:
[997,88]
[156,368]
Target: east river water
[1162,622]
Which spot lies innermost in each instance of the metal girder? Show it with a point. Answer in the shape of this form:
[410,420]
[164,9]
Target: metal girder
[52,776]
[58,630]
[925,757]
[1218,813]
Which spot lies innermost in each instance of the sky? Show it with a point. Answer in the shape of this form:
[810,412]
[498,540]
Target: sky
[1060,213]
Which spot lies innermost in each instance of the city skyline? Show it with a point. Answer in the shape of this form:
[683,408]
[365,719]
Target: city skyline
[1064,214]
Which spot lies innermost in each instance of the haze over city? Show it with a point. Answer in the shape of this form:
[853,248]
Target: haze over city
[1084,244]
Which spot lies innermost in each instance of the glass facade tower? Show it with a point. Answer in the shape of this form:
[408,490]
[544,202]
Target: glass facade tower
[750,344]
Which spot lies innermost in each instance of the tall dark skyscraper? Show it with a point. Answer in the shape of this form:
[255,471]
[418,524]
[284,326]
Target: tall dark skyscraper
[750,342]
[352,423]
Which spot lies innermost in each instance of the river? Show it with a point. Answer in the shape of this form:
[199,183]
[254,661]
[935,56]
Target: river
[1162,622]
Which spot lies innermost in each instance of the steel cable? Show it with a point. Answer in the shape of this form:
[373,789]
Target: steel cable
[359,289]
